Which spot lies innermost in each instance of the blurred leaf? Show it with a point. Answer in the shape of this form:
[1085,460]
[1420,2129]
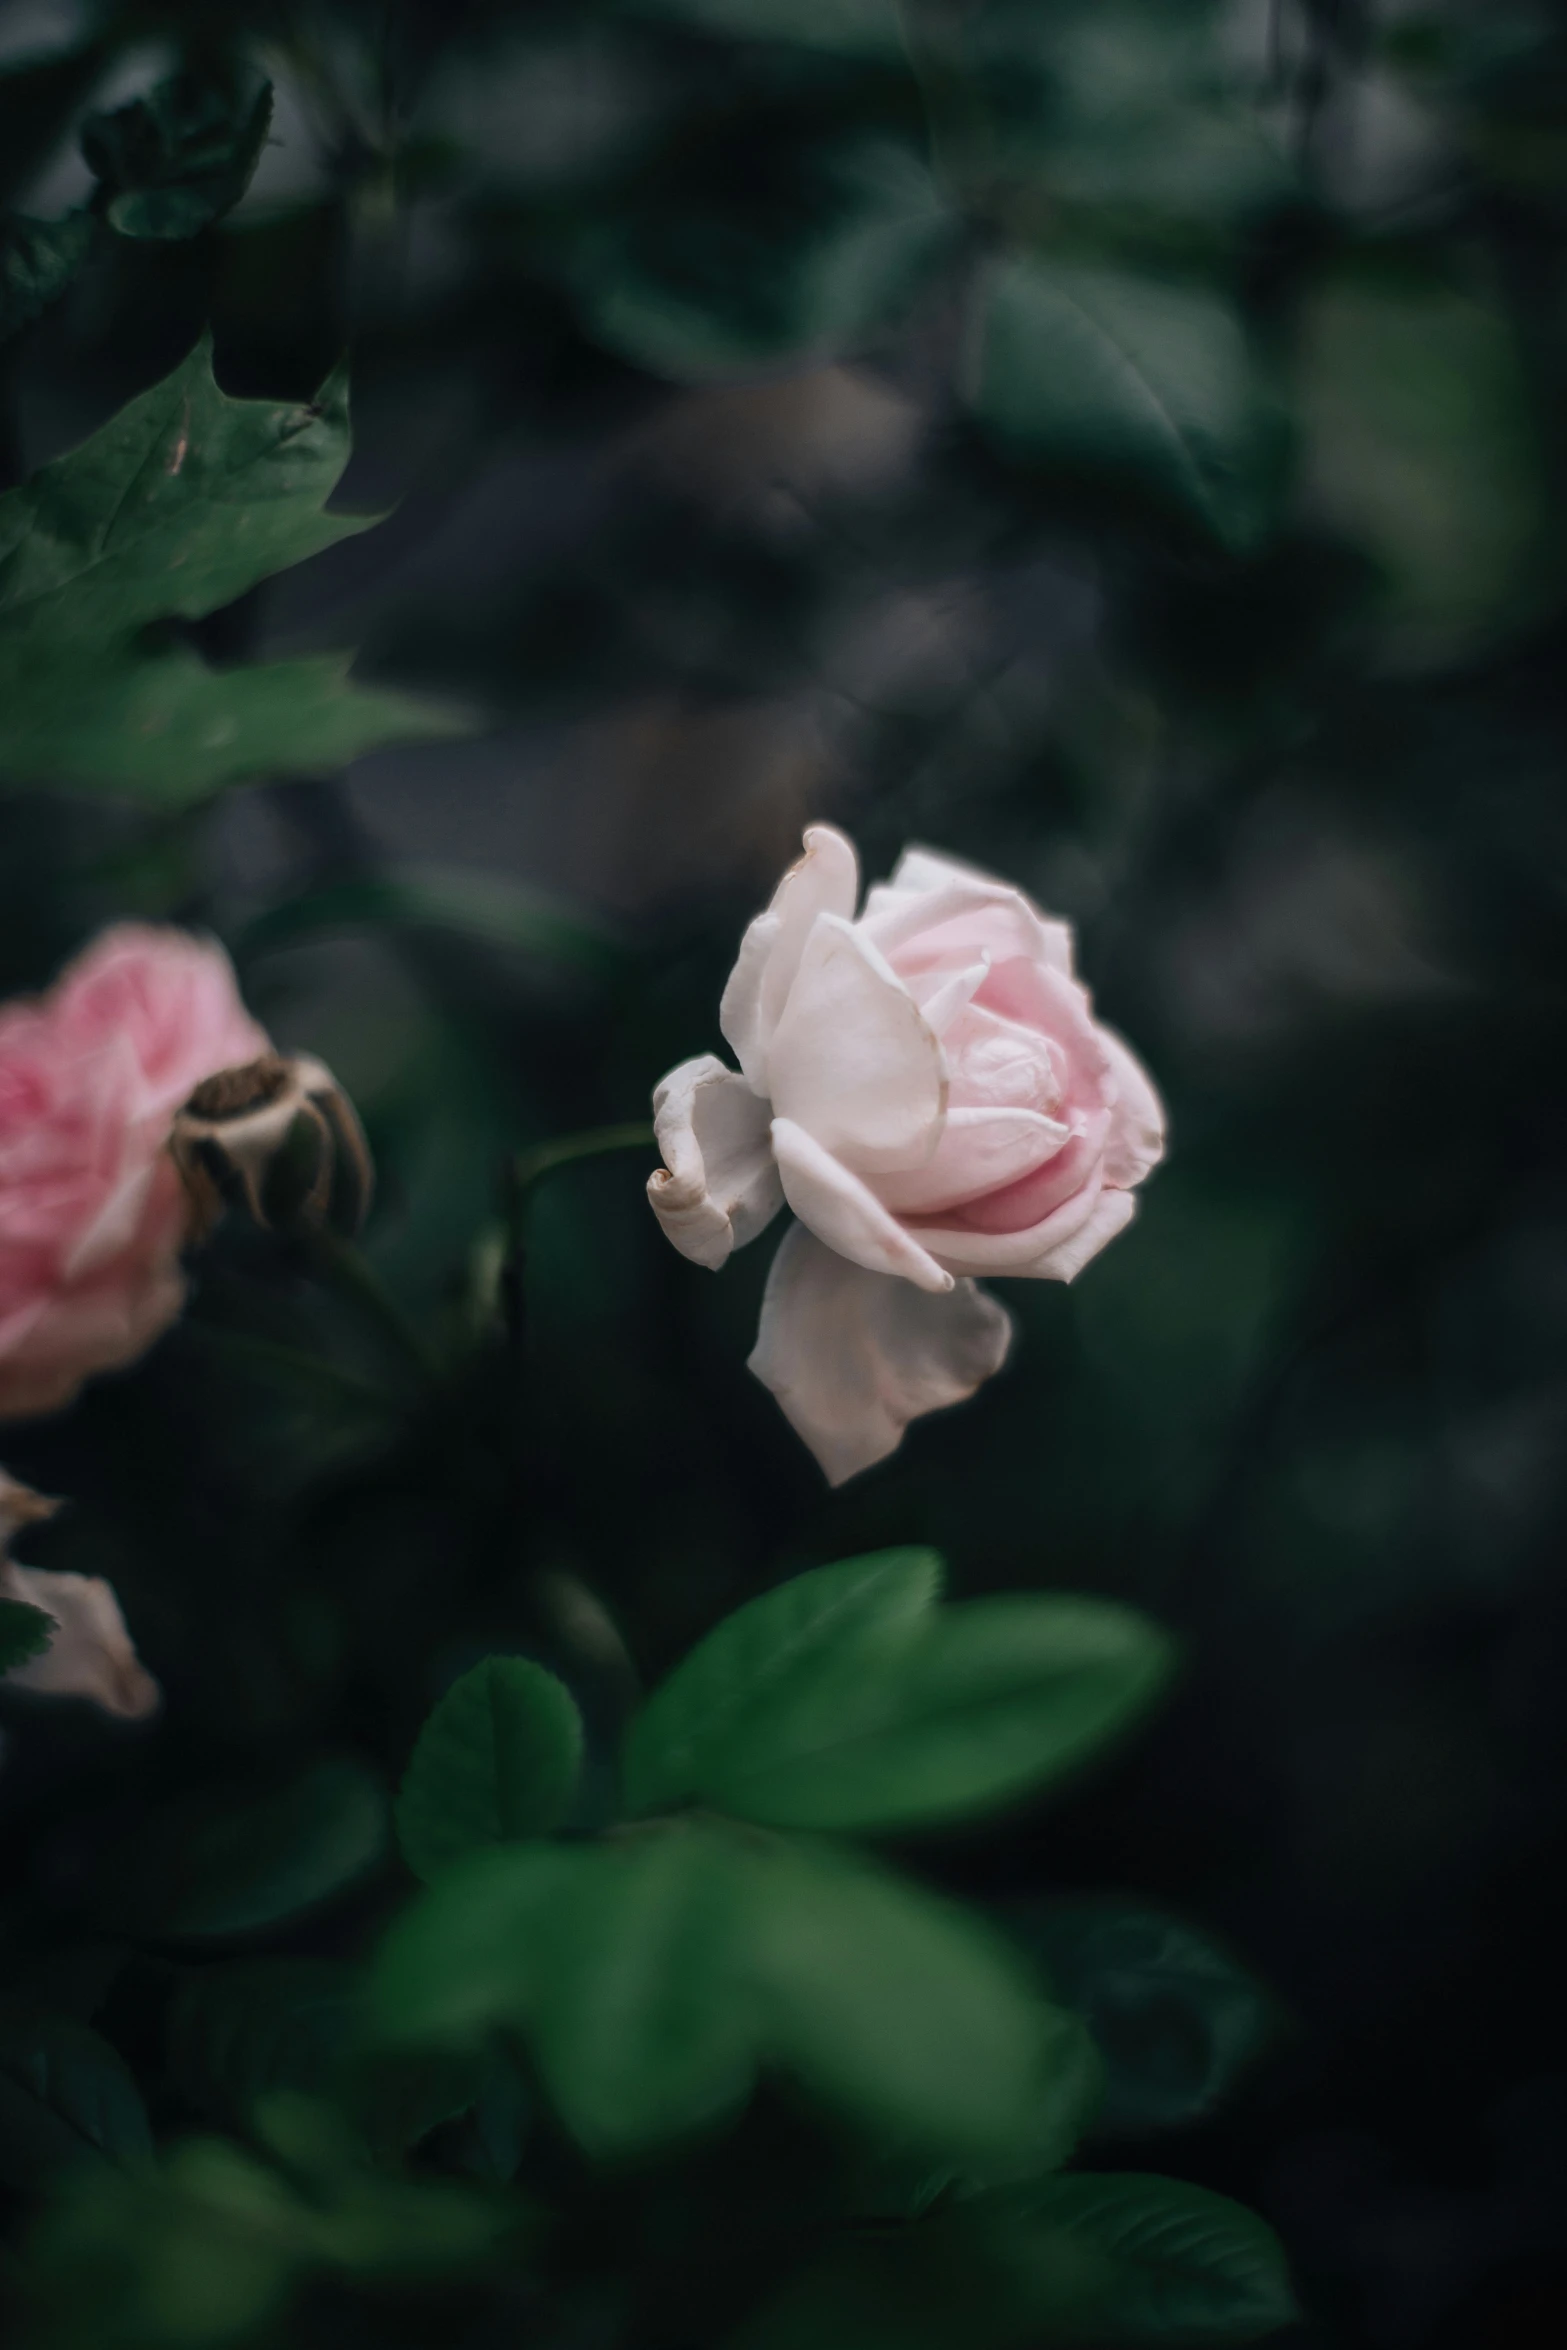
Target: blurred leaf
[163,728]
[484,906]
[238,2033]
[497,1761]
[24,1632]
[38,260]
[759,1657]
[37,100]
[65,2096]
[1089,2258]
[1128,379]
[655,1972]
[1174,2018]
[180,503]
[1422,446]
[790,272]
[850,28]
[178,159]
[220,1864]
[853,1705]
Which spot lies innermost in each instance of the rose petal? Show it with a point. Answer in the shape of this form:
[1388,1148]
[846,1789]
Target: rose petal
[980,1151]
[91,1653]
[718,1186]
[826,880]
[1112,1212]
[853,1357]
[1026,1255]
[933,903]
[1136,1142]
[844,1212]
[853,1060]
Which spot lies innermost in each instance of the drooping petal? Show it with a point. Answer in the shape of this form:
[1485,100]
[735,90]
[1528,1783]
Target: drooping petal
[826,880]
[844,1212]
[91,1654]
[979,1151]
[853,1060]
[718,1185]
[1136,1143]
[853,1357]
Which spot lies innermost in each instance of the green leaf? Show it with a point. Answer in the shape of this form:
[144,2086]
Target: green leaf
[1174,2018]
[1423,446]
[65,2098]
[182,502]
[909,2015]
[1081,2259]
[179,158]
[235,2034]
[887,1714]
[233,1863]
[38,260]
[1127,379]
[24,1632]
[762,1656]
[497,1761]
[655,1973]
[696,292]
[1120,2257]
[165,729]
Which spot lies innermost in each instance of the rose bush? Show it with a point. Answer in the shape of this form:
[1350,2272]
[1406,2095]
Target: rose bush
[92,1211]
[928,1089]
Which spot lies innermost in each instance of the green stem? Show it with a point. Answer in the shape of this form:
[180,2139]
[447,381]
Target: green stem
[530,1165]
[343,1268]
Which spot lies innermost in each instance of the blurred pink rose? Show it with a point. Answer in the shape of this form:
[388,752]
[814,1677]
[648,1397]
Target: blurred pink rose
[92,1212]
[928,1089]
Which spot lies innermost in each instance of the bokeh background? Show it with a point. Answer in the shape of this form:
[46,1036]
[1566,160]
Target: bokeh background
[1119,442]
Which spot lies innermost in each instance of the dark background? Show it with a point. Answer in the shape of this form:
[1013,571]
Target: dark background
[1294,768]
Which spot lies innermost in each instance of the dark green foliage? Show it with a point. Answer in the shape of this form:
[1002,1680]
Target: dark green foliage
[66,2100]
[497,1761]
[178,159]
[24,1631]
[38,260]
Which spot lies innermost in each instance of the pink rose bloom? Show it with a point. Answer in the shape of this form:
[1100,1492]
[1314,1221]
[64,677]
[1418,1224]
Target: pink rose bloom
[92,1212]
[928,1089]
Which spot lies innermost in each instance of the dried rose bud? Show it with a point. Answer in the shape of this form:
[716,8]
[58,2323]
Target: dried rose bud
[90,1653]
[280,1136]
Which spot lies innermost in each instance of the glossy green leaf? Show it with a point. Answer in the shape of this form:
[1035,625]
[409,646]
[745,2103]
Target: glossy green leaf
[1129,380]
[497,1761]
[38,260]
[65,2098]
[655,1973]
[232,1863]
[696,293]
[1174,2018]
[179,158]
[761,1658]
[1113,2257]
[889,1713]
[24,1632]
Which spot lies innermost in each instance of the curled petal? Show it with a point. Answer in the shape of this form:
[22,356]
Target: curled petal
[718,1185]
[91,1653]
[1112,1212]
[980,1151]
[853,1357]
[1136,1143]
[853,1059]
[844,1212]
[1037,1252]
[826,880]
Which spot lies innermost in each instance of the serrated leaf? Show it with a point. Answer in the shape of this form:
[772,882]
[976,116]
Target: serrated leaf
[38,260]
[177,159]
[232,1862]
[24,1632]
[165,729]
[1174,2018]
[65,2098]
[655,1973]
[497,1761]
[1128,379]
[1122,2257]
[759,1657]
[898,1716]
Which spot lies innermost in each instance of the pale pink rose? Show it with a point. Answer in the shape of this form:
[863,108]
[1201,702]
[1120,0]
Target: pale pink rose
[92,1212]
[928,1089]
